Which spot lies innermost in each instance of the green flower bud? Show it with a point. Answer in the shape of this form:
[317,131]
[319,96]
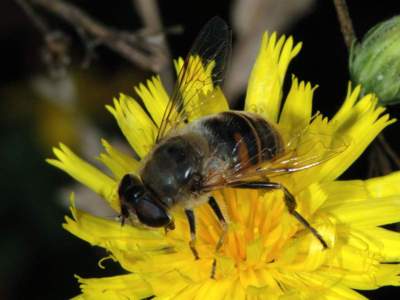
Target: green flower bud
[375,62]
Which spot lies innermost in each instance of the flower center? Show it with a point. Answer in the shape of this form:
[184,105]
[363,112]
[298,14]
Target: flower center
[258,227]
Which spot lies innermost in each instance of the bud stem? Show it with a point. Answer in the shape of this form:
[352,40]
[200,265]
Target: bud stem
[389,150]
[346,25]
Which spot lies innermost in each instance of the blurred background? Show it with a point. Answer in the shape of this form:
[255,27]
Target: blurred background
[57,75]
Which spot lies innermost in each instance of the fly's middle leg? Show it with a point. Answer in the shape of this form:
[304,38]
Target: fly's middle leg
[192,225]
[217,211]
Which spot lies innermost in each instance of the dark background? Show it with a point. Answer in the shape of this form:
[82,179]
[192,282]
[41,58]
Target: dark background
[37,257]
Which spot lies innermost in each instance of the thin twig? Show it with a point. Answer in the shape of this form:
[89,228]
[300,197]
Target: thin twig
[37,21]
[127,45]
[346,25]
[148,11]
[389,151]
[54,53]
[379,163]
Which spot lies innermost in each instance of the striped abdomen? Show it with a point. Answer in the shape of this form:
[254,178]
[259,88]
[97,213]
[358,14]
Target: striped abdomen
[239,137]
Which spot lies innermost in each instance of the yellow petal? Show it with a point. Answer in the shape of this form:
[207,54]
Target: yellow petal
[218,289]
[363,203]
[388,242]
[163,287]
[119,163]
[383,275]
[115,288]
[327,288]
[384,186]
[196,77]
[110,234]
[154,97]
[237,292]
[311,199]
[211,103]
[200,95]
[138,128]
[379,212]
[346,136]
[264,92]
[359,124]
[296,112]
[351,191]
[340,292]
[209,289]
[83,172]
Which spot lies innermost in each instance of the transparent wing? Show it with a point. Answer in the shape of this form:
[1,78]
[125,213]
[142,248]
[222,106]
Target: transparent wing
[306,149]
[200,75]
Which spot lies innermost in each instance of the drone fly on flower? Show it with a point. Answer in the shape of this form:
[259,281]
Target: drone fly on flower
[193,157]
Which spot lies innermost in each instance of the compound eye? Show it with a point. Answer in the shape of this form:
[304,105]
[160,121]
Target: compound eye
[151,213]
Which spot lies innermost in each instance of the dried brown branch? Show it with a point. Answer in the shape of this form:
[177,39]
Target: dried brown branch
[37,21]
[250,18]
[54,52]
[131,46]
[149,13]
[151,19]
[346,25]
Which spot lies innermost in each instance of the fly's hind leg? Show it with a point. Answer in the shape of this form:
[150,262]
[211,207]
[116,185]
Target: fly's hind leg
[217,211]
[290,203]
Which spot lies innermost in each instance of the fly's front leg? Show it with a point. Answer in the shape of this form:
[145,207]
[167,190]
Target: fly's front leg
[290,203]
[192,225]
[217,211]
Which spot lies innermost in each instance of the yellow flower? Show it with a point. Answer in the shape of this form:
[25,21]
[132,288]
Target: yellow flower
[267,254]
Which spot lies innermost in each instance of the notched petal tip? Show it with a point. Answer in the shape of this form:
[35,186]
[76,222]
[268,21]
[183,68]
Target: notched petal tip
[82,171]
[264,91]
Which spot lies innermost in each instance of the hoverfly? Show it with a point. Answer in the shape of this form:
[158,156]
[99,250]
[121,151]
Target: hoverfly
[189,160]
